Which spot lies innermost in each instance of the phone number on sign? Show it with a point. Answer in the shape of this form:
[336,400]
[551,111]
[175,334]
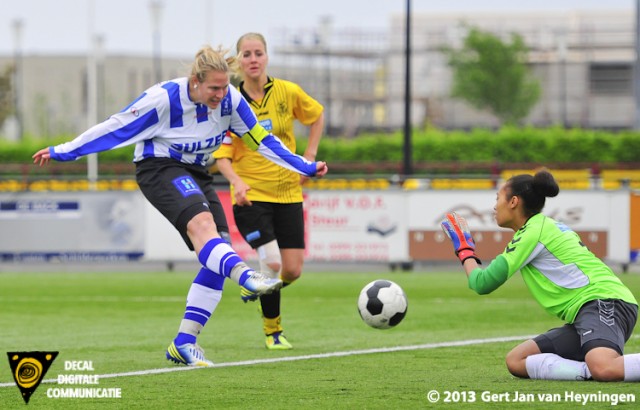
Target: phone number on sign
[471,396]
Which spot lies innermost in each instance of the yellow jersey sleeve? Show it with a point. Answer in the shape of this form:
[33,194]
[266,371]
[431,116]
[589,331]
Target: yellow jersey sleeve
[226,148]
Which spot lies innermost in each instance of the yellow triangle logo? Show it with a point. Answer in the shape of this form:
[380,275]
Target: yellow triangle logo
[28,369]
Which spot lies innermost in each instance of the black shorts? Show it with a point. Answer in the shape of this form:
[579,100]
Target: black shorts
[599,323]
[265,221]
[180,192]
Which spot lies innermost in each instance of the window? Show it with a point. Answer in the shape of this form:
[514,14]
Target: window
[611,78]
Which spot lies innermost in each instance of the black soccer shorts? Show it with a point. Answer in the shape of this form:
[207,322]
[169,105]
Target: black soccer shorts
[265,221]
[180,192]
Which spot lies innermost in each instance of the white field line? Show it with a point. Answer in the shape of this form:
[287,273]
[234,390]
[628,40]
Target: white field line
[182,299]
[94,299]
[307,357]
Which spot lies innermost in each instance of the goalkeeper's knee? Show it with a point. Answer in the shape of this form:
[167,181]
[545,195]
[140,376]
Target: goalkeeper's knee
[270,259]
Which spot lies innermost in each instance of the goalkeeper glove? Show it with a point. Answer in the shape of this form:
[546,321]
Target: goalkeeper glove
[458,232]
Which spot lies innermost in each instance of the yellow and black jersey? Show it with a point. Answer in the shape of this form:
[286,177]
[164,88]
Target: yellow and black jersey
[283,102]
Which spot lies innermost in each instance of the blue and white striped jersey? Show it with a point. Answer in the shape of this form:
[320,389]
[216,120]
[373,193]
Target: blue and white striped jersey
[165,123]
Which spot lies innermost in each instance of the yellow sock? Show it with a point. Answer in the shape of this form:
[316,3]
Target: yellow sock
[272,325]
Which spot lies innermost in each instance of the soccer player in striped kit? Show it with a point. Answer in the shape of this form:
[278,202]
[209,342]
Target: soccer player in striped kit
[267,199]
[176,125]
[565,278]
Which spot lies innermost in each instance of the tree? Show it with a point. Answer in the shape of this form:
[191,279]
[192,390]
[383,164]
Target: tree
[6,95]
[490,74]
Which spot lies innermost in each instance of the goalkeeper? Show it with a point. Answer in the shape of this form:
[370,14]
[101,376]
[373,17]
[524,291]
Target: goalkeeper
[565,278]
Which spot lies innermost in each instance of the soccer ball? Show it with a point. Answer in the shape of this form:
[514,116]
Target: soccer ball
[382,304]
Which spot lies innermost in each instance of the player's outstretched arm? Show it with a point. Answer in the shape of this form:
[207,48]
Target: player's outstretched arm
[482,281]
[272,148]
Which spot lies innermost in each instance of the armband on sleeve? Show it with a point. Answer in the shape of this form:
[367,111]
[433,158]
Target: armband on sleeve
[253,138]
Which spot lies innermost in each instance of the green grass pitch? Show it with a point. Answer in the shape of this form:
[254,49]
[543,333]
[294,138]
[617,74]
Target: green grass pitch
[122,322]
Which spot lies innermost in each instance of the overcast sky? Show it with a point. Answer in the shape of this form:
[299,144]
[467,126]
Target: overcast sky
[65,26]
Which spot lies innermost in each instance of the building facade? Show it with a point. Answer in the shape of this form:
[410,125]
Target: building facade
[584,62]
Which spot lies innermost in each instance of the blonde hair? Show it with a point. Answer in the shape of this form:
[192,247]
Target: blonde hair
[237,71]
[251,36]
[207,59]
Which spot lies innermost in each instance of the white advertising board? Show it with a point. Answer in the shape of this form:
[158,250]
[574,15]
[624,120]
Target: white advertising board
[71,226]
[377,226]
[356,225]
[589,212]
[384,226]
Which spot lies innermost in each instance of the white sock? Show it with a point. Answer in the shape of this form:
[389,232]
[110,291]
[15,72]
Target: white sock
[190,327]
[240,273]
[201,303]
[632,367]
[202,300]
[549,366]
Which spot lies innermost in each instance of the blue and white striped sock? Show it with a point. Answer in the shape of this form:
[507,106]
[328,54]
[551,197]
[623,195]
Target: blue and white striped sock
[220,258]
[203,298]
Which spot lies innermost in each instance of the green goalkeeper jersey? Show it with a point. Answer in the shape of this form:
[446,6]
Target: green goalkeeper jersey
[559,270]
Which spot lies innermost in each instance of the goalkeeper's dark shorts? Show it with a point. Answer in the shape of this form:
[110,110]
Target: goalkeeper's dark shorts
[599,323]
[180,192]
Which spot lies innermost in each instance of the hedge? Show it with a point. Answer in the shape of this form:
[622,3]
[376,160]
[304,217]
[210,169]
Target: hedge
[507,145]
